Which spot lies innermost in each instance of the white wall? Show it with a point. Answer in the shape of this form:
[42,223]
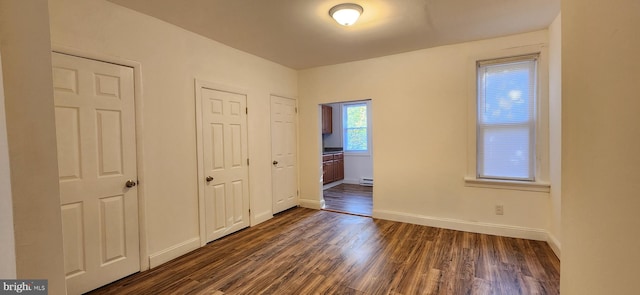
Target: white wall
[356,167]
[600,147]
[419,103]
[7,240]
[171,59]
[31,139]
[555,134]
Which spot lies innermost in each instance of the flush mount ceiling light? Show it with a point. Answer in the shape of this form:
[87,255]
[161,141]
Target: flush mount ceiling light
[346,14]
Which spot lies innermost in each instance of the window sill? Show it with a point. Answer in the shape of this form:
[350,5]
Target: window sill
[508,184]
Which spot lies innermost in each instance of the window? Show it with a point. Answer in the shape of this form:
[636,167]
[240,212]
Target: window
[355,127]
[506,118]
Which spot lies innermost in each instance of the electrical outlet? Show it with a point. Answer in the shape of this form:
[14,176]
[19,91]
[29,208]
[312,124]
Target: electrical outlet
[499,210]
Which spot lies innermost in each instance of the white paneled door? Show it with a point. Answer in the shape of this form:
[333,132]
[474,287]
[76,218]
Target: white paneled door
[224,156]
[284,153]
[95,128]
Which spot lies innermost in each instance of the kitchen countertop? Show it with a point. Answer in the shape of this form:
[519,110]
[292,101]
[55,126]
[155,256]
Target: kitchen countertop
[332,150]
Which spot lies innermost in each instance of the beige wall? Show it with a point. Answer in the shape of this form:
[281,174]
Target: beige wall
[600,147]
[171,58]
[419,106]
[7,239]
[555,133]
[31,137]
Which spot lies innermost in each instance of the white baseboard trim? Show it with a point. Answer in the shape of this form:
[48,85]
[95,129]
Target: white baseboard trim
[262,217]
[173,252]
[312,204]
[332,184]
[351,181]
[554,244]
[462,225]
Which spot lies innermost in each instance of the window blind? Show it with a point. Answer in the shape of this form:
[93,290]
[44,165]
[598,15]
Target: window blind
[506,118]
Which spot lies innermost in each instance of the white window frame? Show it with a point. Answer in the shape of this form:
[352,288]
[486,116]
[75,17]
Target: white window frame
[367,152]
[540,181]
[530,125]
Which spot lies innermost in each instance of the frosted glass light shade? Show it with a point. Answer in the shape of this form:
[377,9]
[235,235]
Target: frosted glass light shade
[346,14]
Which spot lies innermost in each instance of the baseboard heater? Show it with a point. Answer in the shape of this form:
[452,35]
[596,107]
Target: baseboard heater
[366,181]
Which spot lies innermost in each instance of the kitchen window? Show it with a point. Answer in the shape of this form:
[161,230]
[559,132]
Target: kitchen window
[356,127]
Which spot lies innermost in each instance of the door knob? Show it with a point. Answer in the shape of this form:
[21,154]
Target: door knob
[275,162]
[130,183]
[209,178]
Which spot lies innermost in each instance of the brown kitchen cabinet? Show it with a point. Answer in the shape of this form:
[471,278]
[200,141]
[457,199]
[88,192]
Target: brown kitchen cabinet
[339,159]
[327,119]
[332,167]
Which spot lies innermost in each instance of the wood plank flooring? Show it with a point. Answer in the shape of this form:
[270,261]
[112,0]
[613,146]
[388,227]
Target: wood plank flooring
[349,198]
[304,251]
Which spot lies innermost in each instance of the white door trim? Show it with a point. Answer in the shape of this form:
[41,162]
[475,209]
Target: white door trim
[199,84]
[138,101]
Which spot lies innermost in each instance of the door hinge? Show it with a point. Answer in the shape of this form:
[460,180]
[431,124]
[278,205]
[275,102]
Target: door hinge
[246,110]
[247,161]
[296,110]
[249,211]
[298,193]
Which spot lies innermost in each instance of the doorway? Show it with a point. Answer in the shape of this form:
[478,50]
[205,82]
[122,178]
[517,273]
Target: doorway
[284,130]
[347,157]
[221,116]
[97,156]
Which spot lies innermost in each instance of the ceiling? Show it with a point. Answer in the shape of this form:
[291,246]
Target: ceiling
[300,34]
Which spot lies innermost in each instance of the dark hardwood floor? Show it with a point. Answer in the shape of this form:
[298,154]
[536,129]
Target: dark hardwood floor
[304,251]
[349,198]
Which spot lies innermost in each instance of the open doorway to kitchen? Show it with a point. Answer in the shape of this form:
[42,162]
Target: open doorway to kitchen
[347,157]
